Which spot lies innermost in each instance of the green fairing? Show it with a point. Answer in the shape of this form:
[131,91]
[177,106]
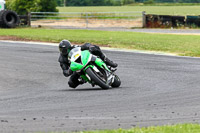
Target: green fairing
[101,64]
[85,55]
[75,66]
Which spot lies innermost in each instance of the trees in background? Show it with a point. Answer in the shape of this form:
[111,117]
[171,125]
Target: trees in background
[169,1]
[116,2]
[47,5]
[93,2]
[24,6]
[60,2]
[126,2]
[89,2]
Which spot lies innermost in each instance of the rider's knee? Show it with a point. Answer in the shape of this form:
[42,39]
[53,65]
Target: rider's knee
[72,84]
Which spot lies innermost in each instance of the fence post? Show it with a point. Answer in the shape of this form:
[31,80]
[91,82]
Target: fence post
[86,15]
[143,19]
[65,3]
[29,19]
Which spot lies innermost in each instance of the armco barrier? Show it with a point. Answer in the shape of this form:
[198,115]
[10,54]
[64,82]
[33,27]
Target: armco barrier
[167,21]
[164,21]
[193,21]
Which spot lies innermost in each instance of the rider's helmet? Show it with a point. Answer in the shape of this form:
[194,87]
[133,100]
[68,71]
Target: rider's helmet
[65,47]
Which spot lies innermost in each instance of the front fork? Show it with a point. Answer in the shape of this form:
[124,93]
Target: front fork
[110,75]
[101,64]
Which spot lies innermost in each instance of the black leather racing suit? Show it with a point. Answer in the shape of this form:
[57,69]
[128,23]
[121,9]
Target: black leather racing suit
[65,64]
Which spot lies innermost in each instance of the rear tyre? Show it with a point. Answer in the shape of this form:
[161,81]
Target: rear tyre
[117,82]
[94,77]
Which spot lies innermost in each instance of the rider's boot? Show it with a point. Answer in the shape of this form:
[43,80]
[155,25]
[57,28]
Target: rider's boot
[110,63]
[81,81]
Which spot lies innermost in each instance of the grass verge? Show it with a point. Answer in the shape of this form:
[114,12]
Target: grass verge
[186,45]
[150,9]
[180,128]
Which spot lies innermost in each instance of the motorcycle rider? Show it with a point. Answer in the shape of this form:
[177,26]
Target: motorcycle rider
[65,47]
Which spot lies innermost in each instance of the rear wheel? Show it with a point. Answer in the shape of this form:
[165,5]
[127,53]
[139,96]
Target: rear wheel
[97,79]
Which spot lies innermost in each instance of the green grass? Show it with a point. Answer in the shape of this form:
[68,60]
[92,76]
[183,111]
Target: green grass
[164,4]
[180,128]
[188,45]
[162,10]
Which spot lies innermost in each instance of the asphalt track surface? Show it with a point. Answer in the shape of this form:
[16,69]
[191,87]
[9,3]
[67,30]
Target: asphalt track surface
[34,95]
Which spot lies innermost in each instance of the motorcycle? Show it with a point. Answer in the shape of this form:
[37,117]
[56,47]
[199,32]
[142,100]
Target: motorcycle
[92,69]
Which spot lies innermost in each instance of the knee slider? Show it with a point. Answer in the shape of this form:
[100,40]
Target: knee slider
[72,84]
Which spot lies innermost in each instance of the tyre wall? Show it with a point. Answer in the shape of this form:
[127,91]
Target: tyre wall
[167,21]
[9,19]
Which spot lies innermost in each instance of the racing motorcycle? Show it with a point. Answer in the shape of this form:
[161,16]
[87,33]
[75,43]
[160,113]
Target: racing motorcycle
[92,69]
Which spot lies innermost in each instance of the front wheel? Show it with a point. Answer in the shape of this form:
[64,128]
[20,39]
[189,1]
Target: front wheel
[94,77]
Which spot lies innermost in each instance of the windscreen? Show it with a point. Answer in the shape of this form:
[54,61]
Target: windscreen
[74,50]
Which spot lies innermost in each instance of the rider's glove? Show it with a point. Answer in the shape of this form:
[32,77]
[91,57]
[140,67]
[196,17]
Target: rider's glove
[67,73]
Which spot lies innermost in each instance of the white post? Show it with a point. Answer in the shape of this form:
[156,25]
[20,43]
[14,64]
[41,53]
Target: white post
[86,17]
[29,19]
[2,5]
[143,19]
[65,3]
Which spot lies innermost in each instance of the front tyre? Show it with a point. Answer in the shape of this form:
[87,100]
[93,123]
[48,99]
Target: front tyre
[94,77]
[117,82]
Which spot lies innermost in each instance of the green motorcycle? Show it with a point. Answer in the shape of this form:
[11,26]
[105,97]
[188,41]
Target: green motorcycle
[92,69]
